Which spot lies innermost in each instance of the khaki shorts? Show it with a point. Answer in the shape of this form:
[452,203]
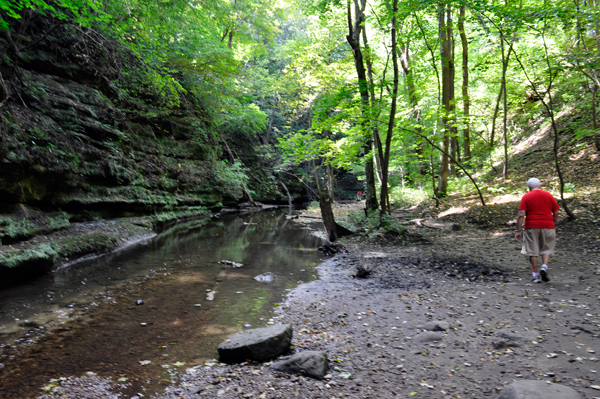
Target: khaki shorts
[538,242]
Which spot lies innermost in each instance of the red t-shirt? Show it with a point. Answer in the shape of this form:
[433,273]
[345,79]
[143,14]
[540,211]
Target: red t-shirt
[538,206]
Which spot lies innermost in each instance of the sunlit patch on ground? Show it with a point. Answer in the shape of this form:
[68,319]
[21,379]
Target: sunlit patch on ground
[531,140]
[452,211]
[506,198]
[578,155]
[375,254]
[189,278]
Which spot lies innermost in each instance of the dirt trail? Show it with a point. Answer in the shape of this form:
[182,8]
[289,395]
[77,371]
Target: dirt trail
[497,327]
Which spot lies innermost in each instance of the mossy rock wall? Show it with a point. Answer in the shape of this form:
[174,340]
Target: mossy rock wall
[65,144]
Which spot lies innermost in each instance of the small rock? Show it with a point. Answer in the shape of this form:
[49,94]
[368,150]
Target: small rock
[265,277]
[311,363]
[139,302]
[428,336]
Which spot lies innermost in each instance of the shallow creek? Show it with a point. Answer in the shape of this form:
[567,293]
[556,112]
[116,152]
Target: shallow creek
[148,311]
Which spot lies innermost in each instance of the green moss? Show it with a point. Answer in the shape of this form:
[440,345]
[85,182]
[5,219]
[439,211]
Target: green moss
[51,252]
[21,228]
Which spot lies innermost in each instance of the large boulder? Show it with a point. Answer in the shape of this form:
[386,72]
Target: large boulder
[311,363]
[531,389]
[259,344]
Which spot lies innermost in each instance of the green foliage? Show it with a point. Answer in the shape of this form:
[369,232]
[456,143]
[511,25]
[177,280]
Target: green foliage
[233,178]
[247,118]
[271,72]
[314,205]
[83,12]
[409,194]
[374,225]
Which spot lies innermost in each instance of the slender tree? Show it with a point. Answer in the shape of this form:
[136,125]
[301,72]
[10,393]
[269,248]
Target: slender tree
[355,26]
[465,85]
[384,198]
[444,13]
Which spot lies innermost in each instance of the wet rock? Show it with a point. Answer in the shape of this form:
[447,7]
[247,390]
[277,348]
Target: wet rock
[331,249]
[530,389]
[428,336]
[231,263]
[311,363]
[265,277]
[435,326]
[259,344]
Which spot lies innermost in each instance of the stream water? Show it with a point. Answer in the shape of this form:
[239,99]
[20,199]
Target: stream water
[144,312]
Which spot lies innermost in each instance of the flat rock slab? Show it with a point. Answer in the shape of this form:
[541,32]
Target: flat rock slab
[428,336]
[531,389]
[311,363]
[258,344]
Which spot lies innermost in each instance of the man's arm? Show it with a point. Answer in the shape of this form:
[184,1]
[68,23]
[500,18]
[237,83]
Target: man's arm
[520,219]
[555,216]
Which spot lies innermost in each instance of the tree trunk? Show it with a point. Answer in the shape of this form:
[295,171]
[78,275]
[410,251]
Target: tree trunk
[495,116]
[353,38]
[594,93]
[230,41]
[330,182]
[410,80]
[445,60]
[505,114]
[465,85]
[377,159]
[451,103]
[328,219]
[502,93]
[433,187]
[413,99]
[271,120]
[287,193]
[377,150]
[384,197]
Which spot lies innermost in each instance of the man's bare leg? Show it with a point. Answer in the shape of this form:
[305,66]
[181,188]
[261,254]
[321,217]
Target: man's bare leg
[533,262]
[544,270]
[545,259]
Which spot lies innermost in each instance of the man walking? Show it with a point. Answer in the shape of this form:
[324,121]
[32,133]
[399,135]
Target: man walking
[540,211]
